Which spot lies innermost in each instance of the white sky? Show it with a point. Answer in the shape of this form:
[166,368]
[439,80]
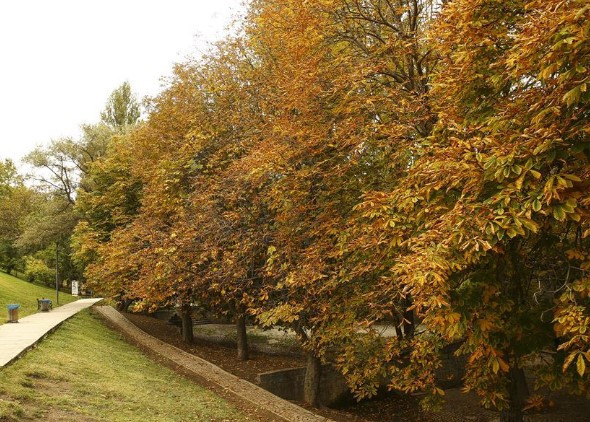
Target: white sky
[60,59]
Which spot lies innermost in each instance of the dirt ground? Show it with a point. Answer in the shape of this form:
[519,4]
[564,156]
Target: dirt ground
[390,407]
[222,356]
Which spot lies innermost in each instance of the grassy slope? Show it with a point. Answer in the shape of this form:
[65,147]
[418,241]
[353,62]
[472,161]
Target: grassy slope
[85,371]
[14,290]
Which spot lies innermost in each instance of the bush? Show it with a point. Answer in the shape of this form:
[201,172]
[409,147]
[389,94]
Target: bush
[36,271]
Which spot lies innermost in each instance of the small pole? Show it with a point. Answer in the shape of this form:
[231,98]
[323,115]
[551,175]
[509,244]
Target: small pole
[57,273]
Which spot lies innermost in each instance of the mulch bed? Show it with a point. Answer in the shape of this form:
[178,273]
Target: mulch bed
[223,356]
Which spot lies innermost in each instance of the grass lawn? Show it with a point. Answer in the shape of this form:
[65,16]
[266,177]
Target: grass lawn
[86,372]
[15,290]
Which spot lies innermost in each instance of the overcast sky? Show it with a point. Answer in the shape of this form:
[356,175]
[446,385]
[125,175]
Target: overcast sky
[60,59]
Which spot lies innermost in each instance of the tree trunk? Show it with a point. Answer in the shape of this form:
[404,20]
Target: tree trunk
[187,324]
[242,338]
[123,305]
[127,304]
[409,324]
[311,386]
[397,324]
[398,331]
[518,392]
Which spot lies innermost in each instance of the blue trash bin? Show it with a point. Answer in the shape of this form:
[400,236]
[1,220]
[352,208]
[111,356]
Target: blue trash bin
[13,312]
[45,305]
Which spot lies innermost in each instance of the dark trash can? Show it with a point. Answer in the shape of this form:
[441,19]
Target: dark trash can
[13,312]
[45,305]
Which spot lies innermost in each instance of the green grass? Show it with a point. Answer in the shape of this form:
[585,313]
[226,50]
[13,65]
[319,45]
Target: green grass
[86,371]
[15,290]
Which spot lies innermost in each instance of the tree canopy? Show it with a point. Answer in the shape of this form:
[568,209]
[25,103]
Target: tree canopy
[340,165]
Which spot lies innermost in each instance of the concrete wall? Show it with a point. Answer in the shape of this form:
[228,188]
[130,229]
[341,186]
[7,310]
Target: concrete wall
[451,373]
[333,390]
[288,383]
[285,383]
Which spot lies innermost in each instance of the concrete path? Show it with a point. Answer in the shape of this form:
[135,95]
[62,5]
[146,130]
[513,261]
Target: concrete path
[245,390]
[17,338]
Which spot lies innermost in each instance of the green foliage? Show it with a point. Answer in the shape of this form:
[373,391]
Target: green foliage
[16,201]
[8,177]
[37,271]
[121,109]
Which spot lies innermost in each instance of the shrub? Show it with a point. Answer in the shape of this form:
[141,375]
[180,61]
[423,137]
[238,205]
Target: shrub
[36,271]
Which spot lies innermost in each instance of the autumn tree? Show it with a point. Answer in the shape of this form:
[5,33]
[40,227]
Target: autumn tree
[486,229]
[111,202]
[210,248]
[345,119]
[234,222]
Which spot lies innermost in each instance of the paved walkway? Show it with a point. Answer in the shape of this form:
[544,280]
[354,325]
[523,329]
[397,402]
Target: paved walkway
[15,339]
[211,373]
